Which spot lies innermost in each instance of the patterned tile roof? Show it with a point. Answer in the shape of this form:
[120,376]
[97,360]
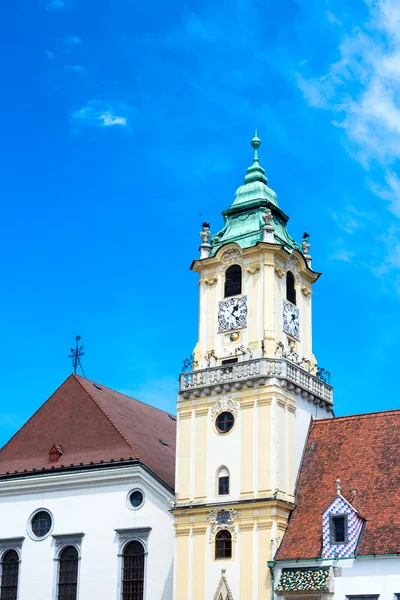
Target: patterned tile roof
[364,452]
[295,580]
[91,425]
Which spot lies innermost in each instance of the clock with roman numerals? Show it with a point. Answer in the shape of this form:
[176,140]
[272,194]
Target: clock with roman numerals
[291,324]
[232,314]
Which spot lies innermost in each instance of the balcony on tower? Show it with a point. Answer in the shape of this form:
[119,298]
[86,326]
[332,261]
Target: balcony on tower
[310,381]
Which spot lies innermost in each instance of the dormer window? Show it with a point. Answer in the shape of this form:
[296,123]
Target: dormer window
[290,288]
[55,453]
[233,281]
[338,529]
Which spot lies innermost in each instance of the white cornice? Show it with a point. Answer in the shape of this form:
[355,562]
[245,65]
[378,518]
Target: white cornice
[134,475]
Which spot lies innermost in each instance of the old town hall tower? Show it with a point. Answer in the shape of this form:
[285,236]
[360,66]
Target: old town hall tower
[246,399]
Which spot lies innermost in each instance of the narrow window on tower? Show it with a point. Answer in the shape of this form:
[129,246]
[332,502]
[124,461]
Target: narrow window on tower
[290,288]
[223,481]
[338,529]
[233,281]
[223,544]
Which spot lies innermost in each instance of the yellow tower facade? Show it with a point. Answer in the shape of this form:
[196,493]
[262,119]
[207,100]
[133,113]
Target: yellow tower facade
[245,402]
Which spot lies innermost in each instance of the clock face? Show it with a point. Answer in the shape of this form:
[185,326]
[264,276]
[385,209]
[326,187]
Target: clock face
[291,323]
[232,314]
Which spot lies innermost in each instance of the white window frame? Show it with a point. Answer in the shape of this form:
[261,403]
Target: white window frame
[62,541]
[125,537]
[7,544]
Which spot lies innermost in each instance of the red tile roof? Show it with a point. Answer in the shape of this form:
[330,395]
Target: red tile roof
[364,452]
[93,424]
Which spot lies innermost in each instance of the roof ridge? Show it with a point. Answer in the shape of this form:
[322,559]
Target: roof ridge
[79,377]
[36,411]
[378,413]
[107,416]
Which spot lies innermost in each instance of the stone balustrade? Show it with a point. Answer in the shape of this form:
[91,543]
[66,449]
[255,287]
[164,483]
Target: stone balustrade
[258,371]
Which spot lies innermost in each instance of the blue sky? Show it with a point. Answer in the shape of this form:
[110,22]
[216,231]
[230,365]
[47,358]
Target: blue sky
[123,127]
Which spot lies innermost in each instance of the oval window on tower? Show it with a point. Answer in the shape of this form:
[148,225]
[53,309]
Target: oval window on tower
[224,422]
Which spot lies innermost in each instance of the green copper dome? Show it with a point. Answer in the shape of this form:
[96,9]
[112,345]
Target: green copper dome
[243,222]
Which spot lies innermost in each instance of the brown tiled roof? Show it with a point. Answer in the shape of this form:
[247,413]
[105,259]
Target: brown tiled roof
[92,424]
[364,452]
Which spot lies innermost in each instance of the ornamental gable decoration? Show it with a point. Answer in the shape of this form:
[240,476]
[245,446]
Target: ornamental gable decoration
[225,403]
[223,591]
[222,519]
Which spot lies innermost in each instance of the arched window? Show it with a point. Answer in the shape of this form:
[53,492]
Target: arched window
[223,481]
[9,575]
[233,281]
[133,572]
[223,544]
[68,574]
[290,288]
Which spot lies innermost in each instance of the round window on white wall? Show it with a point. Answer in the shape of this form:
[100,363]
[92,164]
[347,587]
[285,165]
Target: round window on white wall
[135,499]
[40,524]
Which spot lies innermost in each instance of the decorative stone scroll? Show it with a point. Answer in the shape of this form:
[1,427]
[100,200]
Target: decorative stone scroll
[291,265]
[222,519]
[210,280]
[253,268]
[223,404]
[232,256]
[305,290]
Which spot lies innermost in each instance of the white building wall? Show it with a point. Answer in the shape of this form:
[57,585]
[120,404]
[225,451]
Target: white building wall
[359,576]
[95,504]
[352,577]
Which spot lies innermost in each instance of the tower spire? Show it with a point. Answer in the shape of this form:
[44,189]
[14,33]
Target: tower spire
[256,143]
[255,172]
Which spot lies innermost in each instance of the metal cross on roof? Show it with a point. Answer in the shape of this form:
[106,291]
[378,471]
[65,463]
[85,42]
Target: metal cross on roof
[76,354]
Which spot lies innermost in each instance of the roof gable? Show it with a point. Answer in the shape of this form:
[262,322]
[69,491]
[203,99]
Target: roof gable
[92,424]
[364,452]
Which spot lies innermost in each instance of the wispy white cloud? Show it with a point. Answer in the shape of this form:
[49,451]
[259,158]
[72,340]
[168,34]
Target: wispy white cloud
[362,89]
[109,119]
[49,54]
[71,41]
[342,254]
[351,219]
[54,5]
[333,18]
[75,69]
[99,114]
